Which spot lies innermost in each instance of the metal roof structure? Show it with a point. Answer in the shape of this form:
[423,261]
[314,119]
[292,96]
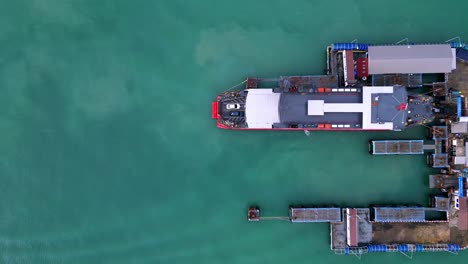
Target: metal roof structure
[399,214]
[459,127]
[463,214]
[351,227]
[348,65]
[437,58]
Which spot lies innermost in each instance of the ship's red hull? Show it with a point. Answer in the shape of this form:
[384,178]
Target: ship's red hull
[297,129]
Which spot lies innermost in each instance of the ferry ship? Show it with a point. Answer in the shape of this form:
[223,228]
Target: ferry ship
[366,87]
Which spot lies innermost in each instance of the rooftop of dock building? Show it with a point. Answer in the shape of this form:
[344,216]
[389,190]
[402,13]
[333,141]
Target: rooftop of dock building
[435,58]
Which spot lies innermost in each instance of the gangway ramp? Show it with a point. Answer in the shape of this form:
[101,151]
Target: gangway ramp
[396,147]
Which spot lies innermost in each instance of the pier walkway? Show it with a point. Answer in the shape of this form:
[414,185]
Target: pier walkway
[396,147]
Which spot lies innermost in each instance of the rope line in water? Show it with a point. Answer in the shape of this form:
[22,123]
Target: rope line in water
[236,85]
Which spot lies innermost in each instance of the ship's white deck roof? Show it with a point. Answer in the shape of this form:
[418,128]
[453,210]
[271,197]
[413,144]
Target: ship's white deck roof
[261,108]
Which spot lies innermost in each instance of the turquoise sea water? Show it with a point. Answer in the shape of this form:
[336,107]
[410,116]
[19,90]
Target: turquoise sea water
[108,153]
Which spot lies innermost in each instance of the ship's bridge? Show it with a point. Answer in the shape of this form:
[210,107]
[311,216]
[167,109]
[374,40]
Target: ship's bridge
[368,108]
